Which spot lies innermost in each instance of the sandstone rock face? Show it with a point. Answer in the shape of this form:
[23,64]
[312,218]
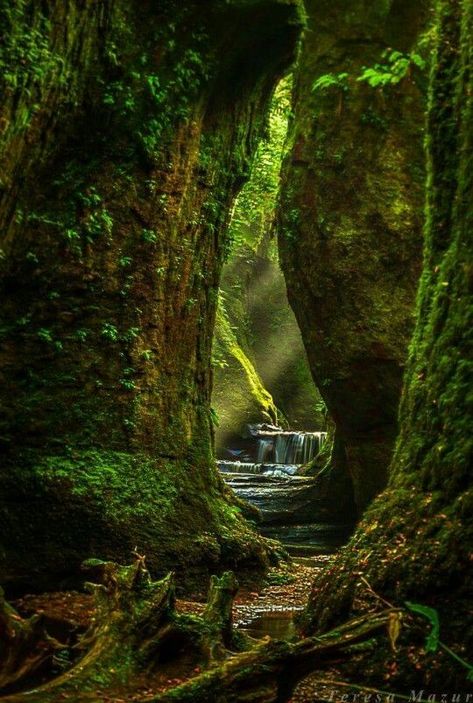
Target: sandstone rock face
[415,542]
[350,218]
[126,132]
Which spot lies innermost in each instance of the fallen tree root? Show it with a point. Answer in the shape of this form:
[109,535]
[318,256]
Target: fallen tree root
[269,672]
[137,631]
[25,647]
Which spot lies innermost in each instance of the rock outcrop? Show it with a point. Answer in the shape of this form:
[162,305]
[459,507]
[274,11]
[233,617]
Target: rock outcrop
[127,129]
[350,217]
[239,396]
[415,541]
[261,368]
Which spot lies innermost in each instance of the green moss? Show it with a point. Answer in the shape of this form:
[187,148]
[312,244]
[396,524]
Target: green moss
[109,273]
[240,395]
[257,347]
[117,480]
[115,501]
[350,220]
[26,57]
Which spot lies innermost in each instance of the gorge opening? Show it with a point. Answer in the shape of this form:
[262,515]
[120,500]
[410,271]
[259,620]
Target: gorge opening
[129,568]
[273,435]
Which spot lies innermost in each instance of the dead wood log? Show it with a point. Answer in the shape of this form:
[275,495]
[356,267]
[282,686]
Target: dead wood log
[269,672]
[218,617]
[135,626]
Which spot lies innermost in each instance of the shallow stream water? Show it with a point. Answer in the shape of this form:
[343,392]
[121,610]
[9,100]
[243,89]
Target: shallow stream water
[268,474]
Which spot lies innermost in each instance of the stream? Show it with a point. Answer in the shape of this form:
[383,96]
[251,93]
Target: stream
[267,471]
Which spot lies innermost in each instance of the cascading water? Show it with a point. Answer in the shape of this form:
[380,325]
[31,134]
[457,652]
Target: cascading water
[276,450]
[244,467]
[239,467]
[265,447]
[269,473]
[297,447]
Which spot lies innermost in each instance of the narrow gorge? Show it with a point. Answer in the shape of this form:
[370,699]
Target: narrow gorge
[236,362]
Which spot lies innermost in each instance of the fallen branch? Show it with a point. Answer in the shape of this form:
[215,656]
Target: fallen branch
[269,672]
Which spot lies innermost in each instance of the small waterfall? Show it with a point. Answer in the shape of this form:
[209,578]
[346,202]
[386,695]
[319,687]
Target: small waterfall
[291,447]
[267,469]
[265,448]
[239,467]
[246,467]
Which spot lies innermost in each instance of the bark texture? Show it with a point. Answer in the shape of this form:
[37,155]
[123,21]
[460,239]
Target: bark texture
[126,131]
[415,541]
[350,217]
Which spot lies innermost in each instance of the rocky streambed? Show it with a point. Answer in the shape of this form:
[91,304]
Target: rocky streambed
[268,471]
[292,511]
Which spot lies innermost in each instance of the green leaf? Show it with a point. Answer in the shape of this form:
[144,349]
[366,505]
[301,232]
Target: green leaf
[330,80]
[418,61]
[432,641]
[395,56]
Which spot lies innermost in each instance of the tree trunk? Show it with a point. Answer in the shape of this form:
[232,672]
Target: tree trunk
[127,129]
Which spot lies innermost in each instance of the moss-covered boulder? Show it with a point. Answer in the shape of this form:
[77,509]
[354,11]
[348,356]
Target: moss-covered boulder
[415,541]
[127,128]
[350,216]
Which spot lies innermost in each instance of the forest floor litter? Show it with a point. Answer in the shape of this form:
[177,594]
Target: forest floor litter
[267,612]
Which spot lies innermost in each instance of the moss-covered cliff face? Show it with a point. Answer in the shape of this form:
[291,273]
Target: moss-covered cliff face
[416,537]
[239,396]
[126,132]
[261,369]
[350,217]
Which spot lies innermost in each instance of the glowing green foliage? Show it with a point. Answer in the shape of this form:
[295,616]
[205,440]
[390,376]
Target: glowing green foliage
[331,80]
[254,210]
[393,70]
[110,332]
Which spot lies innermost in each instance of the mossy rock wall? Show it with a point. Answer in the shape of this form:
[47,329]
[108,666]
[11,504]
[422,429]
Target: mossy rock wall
[127,129]
[239,396]
[350,216]
[415,541]
[261,370]
[265,341]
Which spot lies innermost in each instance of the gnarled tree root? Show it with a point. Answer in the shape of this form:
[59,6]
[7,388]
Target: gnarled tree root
[25,647]
[271,670]
[137,627]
